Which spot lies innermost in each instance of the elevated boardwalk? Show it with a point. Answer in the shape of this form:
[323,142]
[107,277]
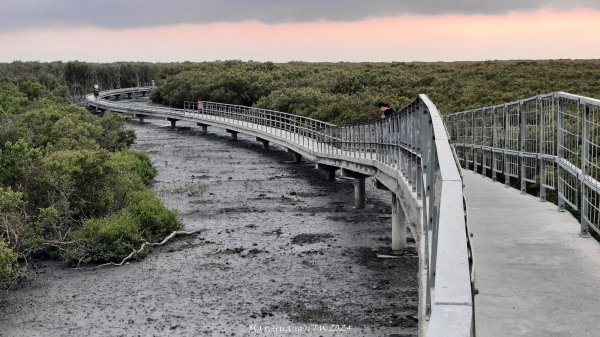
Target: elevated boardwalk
[535,275]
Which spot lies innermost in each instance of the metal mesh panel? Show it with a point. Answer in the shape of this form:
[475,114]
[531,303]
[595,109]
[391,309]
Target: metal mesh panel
[592,208]
[460,137]
[511,140]
[569,131]
[468,125]
[568,187]
[488,137]
[548,174]
[499,137]
[460,128]
[591,168]
[548,113]
[529,169]
[530,133]
[499,127]
[511,165]
[477,138]
[529,139]
[513,128]
[498,162]
[568,150]
[548,140]
[592,158]
[478,127]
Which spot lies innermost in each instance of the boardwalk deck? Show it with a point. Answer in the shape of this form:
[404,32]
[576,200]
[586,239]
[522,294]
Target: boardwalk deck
[535,275]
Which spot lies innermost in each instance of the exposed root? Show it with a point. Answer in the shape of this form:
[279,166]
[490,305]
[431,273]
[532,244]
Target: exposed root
[144,244]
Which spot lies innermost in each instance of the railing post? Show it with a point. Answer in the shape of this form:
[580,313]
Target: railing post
[506,134]
[559,152]
[522,147]
[473,141]
[494,141]
[351,147]
[584,170]
[412,161]
[542,149]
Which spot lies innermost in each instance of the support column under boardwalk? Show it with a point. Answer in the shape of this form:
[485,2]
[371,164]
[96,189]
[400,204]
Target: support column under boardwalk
[359,187]
[232,133]
[398,224]
[329,169]
[296,157]
[264,142]
[204,128]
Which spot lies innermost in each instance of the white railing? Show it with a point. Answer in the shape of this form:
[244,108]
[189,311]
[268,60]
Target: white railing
[546,142]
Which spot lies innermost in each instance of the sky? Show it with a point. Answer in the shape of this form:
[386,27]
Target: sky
[298,30]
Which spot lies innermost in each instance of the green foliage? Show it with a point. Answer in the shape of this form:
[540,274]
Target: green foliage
[8,259]
[17,232]
[117,235]
[127,172]
[17,161]
[115,136]
[73,79]
[69,186]
[106,239]
[348,92]
[12,100]
[155,220]
[129,162]
[78,177]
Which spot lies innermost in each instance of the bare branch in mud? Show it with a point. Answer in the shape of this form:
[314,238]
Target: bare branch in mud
[144,244]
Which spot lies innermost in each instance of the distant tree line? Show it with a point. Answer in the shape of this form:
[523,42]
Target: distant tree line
[348,92]
[71,80]
[334,92]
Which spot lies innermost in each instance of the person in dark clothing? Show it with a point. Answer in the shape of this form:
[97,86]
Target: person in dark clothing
[385,110]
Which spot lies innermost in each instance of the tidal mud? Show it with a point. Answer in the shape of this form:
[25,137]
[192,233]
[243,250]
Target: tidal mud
[279,247]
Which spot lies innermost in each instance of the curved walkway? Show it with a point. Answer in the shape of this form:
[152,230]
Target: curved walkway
[535,275]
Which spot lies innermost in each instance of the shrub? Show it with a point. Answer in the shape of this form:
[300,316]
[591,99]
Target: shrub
[155,220]
[130,162]
[114,237]
[7,261]
[106,239]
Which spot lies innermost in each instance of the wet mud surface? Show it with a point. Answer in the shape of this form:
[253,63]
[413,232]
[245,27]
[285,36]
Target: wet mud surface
[279,248]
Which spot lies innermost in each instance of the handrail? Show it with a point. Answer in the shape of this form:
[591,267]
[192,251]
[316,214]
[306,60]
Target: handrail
[408,152]
[550,140]
[415,142]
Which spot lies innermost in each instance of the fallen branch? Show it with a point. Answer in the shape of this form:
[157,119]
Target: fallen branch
[144,244]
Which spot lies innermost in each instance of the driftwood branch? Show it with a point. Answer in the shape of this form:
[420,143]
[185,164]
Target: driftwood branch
[144,244]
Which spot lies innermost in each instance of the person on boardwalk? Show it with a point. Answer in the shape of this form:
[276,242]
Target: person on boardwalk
[385,110]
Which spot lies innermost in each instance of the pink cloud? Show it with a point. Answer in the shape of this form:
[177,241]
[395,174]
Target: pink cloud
[520,35]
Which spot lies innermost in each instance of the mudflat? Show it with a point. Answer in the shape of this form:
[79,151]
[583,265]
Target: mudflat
[279,249]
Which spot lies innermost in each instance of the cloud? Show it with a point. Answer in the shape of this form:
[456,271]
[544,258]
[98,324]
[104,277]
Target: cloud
[116,14]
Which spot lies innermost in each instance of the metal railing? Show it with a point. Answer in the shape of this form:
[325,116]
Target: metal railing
[414,142]
[304,131]
[410,148]
[550,142]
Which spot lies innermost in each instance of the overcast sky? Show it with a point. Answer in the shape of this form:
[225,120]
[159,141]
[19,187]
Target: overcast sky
[305,30]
